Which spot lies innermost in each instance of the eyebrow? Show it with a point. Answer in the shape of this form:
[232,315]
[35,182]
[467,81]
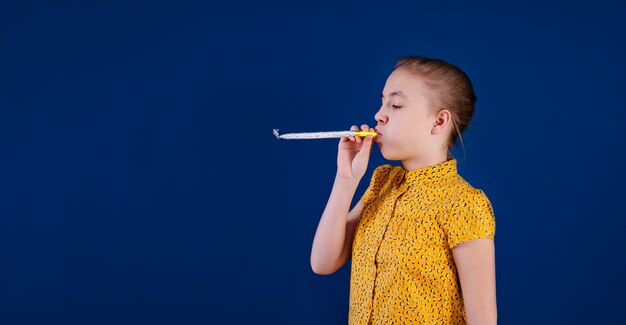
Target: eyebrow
[395,93]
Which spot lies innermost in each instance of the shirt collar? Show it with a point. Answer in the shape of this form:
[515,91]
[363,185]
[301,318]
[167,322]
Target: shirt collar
[429,174]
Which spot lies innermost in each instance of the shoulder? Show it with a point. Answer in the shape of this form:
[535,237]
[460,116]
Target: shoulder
[471,203]
[463,191]
[382,180]
[383,172]
[472,198]
[386,174]
[466,200]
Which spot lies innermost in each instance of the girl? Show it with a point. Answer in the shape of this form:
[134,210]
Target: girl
[420,239]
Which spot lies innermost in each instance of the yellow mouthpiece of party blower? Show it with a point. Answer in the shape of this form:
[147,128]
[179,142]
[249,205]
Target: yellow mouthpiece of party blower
[365,133]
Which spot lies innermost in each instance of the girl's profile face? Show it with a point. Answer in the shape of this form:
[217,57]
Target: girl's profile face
[405,118]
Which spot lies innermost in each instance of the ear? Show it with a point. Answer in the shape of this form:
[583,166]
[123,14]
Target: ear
[441,121]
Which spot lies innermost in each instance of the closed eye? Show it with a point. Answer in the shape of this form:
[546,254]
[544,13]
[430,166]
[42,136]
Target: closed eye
[394,106]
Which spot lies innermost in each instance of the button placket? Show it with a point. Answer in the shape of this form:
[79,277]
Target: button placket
[393,200]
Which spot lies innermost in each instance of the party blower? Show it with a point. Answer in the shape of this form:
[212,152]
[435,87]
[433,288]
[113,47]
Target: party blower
[323,135]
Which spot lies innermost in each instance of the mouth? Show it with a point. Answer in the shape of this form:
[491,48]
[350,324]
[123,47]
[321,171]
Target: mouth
[377,137]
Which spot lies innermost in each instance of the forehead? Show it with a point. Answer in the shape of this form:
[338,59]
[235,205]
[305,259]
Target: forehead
[403,84]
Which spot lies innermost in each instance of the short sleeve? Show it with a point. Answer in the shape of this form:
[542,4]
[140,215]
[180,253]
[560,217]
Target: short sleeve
[379,177]
[470,217]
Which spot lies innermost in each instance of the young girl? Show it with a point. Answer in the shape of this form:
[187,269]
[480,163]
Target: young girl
[421,237]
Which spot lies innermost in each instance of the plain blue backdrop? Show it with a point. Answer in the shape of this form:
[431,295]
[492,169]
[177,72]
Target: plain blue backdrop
[141,183]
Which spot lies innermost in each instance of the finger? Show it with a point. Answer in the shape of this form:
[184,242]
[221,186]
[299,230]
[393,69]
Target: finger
[364,127]
[353,128]
[365,149]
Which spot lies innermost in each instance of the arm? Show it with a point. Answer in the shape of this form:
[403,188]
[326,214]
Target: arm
[475,261]
[332,245]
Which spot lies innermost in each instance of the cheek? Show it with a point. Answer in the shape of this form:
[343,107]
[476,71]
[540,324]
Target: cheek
[408,128]
[414,132]
[411,127]
[422,124]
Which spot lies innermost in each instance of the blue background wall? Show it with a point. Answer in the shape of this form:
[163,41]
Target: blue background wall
[141,183]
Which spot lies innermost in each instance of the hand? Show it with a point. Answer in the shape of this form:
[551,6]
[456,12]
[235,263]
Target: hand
[353,154]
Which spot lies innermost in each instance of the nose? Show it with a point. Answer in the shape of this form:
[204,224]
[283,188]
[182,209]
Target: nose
[380,117]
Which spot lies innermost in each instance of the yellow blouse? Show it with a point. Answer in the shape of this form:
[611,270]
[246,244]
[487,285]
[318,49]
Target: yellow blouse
[403,271]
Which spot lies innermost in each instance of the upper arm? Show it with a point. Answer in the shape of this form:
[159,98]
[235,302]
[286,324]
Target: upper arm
[475,262]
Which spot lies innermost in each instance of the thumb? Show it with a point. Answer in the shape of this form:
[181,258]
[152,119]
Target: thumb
[366,146]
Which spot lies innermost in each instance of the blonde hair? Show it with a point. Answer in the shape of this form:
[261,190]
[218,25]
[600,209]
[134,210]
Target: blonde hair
[450,87]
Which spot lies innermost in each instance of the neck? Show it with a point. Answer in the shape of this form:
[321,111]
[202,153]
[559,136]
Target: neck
[424,161]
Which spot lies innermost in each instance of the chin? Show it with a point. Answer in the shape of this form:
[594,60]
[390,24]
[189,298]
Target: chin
[387,155]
